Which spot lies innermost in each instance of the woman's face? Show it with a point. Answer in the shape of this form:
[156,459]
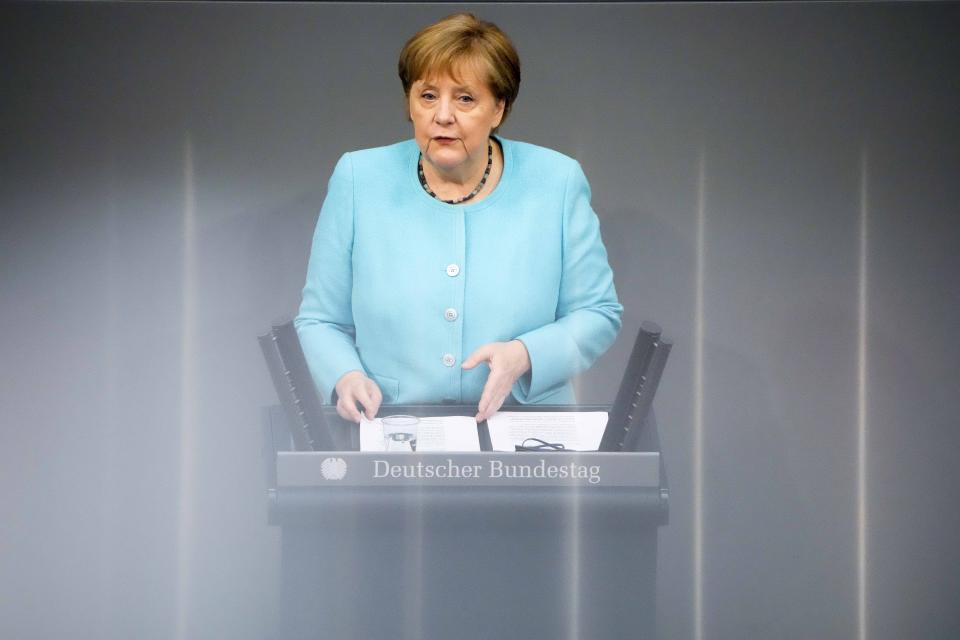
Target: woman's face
[453,120]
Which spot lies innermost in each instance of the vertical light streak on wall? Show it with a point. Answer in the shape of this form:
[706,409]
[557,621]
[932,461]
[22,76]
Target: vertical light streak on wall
[862,410]
[187,397]
[414,603]
[698,406]
[573,549]
[573,562]
[108,501]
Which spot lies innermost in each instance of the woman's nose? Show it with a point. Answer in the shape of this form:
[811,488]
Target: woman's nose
[444,114]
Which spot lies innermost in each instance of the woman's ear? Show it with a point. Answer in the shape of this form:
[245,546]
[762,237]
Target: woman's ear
[501,106]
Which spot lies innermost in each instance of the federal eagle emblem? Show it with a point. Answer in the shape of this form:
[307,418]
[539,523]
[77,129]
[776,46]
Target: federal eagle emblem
[333,468]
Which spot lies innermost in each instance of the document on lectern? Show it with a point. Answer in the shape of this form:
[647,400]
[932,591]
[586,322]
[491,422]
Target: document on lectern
[575,430]
[434,433]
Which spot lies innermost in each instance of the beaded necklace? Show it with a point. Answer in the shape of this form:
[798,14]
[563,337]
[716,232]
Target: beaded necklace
[483,180]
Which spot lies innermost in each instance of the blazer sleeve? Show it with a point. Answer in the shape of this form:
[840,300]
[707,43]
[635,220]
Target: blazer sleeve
[325,322]
[588,312]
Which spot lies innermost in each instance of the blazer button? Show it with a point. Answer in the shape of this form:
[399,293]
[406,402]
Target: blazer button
[453,270]
[448,359]
[450,314]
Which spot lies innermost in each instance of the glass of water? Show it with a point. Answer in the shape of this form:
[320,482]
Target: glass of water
[400,433]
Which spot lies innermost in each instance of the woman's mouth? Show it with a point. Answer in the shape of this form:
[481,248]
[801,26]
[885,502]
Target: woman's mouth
[443,140]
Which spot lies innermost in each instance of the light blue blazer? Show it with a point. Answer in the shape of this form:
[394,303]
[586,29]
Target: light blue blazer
[405,287]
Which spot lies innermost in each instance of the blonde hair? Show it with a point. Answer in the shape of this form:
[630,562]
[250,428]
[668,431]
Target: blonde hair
[446,45]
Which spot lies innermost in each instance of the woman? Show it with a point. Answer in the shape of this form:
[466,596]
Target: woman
[458,266]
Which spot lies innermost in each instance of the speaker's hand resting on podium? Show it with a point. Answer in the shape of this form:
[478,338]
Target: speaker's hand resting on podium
[507,361]
[354,387]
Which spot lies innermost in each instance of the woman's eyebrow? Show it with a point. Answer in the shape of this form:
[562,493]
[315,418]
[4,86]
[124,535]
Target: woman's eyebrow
[461,87]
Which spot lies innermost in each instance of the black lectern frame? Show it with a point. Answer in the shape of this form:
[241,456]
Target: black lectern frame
[425,560]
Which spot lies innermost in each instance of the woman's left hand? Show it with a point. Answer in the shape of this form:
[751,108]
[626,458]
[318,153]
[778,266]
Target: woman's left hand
[507,361]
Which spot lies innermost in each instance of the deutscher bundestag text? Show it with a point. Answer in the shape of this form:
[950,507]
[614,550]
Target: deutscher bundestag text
[495,469]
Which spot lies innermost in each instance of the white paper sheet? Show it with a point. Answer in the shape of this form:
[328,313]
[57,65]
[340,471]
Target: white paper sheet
[435,433]
[576,430]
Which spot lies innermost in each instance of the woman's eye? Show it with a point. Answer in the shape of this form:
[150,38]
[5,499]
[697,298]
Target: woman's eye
[426,95]
[466,99]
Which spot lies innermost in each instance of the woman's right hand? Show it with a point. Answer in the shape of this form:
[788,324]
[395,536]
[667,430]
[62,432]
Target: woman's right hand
[354,387]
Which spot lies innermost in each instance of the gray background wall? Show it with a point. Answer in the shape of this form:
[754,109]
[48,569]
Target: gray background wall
[162,167]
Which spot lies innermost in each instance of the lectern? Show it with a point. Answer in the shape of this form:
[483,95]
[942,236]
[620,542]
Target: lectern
[375,546]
